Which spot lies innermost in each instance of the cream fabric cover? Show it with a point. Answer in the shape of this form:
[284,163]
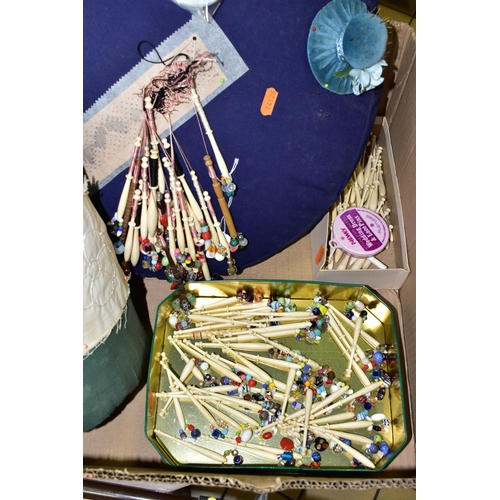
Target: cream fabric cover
[105,289]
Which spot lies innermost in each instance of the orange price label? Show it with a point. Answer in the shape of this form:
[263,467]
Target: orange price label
[267,106]
[319,255]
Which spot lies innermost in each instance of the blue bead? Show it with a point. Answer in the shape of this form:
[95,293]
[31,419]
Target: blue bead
[316,456]
[378,357]
[195,433]
[367,405]
[373,448]
[384,447]
[232,393]
[287,455]
[237,460]
[216,433]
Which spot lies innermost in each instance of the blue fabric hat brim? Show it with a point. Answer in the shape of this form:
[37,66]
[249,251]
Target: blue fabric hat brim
[324,60]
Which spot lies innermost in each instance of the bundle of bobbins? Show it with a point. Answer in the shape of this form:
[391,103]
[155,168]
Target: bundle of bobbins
[365,189]
[164,222]
[251,411]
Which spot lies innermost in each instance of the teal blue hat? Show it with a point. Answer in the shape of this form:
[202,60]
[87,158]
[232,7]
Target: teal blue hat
[346,46]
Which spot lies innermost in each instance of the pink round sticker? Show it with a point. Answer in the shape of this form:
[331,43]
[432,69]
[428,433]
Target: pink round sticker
[360,232]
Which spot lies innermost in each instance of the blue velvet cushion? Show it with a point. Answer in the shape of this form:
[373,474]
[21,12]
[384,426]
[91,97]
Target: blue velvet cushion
[293,164]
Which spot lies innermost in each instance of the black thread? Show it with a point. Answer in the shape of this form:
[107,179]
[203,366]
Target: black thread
[166,62]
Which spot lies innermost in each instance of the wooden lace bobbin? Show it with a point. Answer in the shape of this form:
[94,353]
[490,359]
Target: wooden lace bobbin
[187,230]
[220,414]
[265,455]
[318,406]
[243,334]
[128,180]
[346,353]
[371,341]
[232,336]
[186,372]
[207,217]
[216,304]
[198,405]
[203,451]
[357,329]
[255,369]
[179,231]
[190,362]
[170,226]
[343,335]
[221,163]
[208,319]
[153,192]
[344,262]
[143,186]
[239,308]
[280,364]
[216,223]
[177,407]
[227,400]
[307,415]
[221,198]
[216,367]
[269,449]
[245,366]
[231,410]
[345,426]
[355,438]
[235,414]
[332,419]
[255,346]
[271,332]
[203,330]
[290,379]
[132,251]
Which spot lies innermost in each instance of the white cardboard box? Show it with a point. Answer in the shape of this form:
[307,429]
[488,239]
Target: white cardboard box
[395,256]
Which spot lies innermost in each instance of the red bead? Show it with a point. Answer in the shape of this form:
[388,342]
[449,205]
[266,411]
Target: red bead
[252,382]
[164,220]
[237,439]
[191,427]
[267,435]
[314,28]
[287,444]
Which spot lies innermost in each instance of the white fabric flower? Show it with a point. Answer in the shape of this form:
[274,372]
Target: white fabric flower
[366,78]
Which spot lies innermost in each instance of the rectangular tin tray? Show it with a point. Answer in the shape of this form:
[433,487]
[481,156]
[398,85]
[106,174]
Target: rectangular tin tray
[190,454]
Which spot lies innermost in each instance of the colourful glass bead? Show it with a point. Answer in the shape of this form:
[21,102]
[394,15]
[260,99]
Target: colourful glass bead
[286,444]
[237,460]
[216,433]
[315,465]
[373,448]
[287,455]
[367,405]
[267,435]
[320,444]
[384,447]
[316,456]
[377,438]
[378,357]
[195,433]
